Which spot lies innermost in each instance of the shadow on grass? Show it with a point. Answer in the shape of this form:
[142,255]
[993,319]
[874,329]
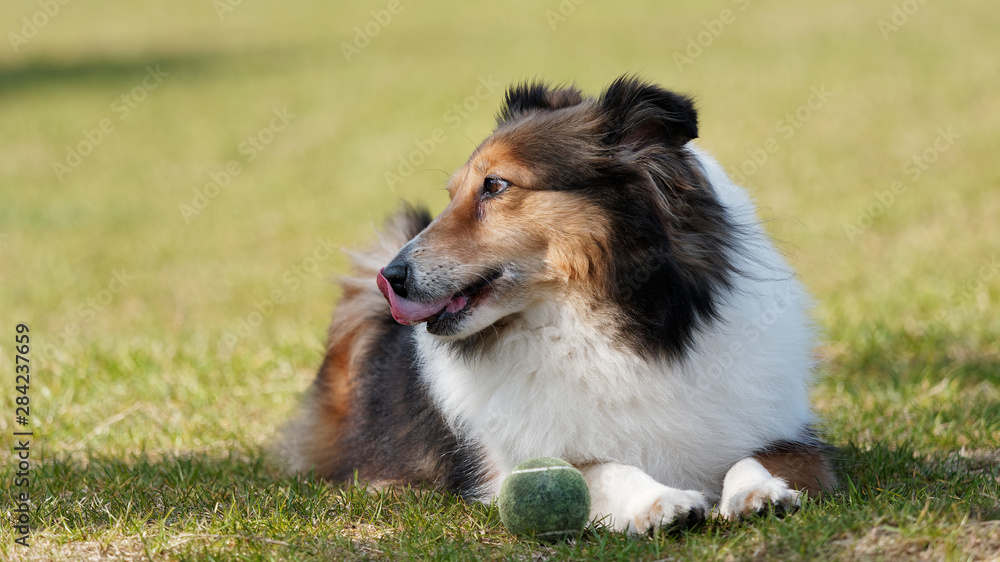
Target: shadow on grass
[892,353]
[199,504]
[104,490]
[195,504]
[127,69]
[898,476]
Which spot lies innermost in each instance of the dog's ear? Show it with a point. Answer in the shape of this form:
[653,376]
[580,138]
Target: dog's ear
[525,97]
[639,115]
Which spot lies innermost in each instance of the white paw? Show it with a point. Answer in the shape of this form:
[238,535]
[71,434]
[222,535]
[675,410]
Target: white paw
[661,506]
[754,499]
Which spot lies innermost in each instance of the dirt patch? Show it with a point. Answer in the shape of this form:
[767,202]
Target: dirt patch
[972,541]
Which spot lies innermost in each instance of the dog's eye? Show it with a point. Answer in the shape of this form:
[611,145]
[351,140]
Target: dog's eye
[493,185]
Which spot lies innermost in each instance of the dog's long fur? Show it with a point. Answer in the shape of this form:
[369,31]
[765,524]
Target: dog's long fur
[611,300]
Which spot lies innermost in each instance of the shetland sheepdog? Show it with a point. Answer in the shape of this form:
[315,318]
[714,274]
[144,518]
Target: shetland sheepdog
[597,290]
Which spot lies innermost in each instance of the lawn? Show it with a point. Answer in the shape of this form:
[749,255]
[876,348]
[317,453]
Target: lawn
[177,180]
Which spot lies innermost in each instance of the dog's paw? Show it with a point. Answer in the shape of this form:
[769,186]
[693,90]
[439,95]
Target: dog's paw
[756,498]
[665,508]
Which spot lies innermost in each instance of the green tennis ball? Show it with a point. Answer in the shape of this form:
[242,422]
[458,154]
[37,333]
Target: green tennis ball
[545,498]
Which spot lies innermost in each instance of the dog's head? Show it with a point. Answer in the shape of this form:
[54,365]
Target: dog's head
[593,201]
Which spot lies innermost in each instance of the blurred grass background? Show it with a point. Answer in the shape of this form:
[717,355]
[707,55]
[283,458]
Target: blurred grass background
[907,300]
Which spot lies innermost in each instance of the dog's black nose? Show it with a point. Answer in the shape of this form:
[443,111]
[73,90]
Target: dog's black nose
[395,274]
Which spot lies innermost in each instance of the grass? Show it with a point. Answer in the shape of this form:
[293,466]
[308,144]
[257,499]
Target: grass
[153,402]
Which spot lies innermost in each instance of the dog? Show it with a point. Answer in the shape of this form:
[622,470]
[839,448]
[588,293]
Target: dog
[597,290]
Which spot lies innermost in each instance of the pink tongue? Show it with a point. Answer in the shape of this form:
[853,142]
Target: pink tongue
[406,311]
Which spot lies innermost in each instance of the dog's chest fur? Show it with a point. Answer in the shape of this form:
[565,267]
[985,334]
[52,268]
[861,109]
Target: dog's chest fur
[560,386]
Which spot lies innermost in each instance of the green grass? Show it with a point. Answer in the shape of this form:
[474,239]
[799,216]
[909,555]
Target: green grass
[151,428]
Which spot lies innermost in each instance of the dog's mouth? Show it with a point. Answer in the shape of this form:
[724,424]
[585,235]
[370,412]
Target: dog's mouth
[406,311]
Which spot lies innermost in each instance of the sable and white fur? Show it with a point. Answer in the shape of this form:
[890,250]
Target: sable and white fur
[526,345]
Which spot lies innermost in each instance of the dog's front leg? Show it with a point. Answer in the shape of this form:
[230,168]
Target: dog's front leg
[777,476]
[749,488]
[625,498]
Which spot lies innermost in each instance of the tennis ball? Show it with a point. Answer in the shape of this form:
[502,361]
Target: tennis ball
[545,498]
